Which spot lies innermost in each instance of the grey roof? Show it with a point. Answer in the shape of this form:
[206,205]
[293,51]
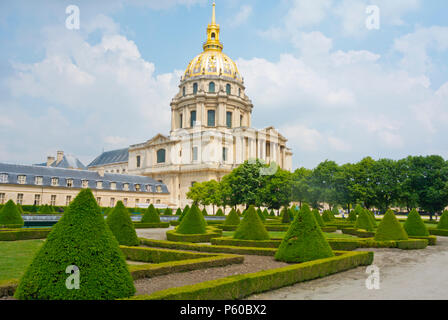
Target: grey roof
[67,162]
[109,157]
[14,170]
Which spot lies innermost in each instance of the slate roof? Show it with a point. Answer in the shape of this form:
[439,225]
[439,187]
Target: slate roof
[12,172]
[110,157]
[67,162]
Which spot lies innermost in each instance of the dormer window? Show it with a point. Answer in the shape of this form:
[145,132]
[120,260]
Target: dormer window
[21,179]
[85,183]
[148,188]
[4,178]
[69,183]
[126,187]
[113,186]
[99,184]
[38,181]
[137,187]
[54,182]
[159,189]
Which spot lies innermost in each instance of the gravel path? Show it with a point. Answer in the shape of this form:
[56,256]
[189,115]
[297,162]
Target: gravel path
[156,234]
[251,264]
[404,274]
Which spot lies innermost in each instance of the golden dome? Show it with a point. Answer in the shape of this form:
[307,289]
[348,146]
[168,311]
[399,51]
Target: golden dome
[212,61]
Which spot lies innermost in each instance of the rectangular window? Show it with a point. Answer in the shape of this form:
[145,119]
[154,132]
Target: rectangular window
[138,162]
[53,200]
[159,189]
[158,201]
[148,200]
[137,187]
[229,119]
[54,182]
[2,198]
[98,200]
[38,181]
[137,201]
[113,185]
[192,118]
[85,183]
[181,121]
[68,199]
[69,183]
[211,118]
[125,202]
[126,187]
[37,199]
[195,153]
[112,202]
[4,178]
[21,179]
[99,184]
[224,154]
[20,198]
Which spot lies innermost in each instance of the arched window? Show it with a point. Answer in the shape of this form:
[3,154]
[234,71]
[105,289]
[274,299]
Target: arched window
[183,91]
[195,88]
[211,118]
[228,89]
[161,154]
[192,118]
[239,92]
[213,36]
[211,87]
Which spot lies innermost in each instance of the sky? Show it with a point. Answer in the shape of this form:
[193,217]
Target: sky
[340,79]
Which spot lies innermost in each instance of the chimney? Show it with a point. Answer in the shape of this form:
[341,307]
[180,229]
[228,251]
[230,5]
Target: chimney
[50,160]
[60,156]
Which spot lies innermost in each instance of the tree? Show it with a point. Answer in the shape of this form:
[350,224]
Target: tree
[82,241]
[197,193]
[276,190]
[300,185]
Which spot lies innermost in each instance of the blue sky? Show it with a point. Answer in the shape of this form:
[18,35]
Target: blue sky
[334,88]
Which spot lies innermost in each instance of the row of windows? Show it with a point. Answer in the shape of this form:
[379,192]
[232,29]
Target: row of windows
[210,119]
[161,158]
[211,89]
[194,153]
[21,179]
[68,199]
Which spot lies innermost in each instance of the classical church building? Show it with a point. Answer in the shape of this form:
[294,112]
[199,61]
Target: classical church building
[211,130]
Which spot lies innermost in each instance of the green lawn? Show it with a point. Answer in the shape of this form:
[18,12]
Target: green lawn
[281,234]
[15,256]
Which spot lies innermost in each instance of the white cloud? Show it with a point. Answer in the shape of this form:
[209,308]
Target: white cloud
[306,13]
[241,17]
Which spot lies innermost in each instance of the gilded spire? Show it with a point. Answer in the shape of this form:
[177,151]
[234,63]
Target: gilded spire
[212,42]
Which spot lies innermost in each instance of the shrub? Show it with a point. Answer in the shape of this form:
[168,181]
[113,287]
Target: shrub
[251,228]
[10,215]
[272,213]
[239,212]
[81,238]
[204,212]
[193,222]
[286,218]
[232,219]
[260,214]
[108,211]
[168,212]
[326,216]
[319,219]
[352,216]
[178,212]
[371,217]
[414,225]
[443,223]
[334,211]
[151,215]
[120,223]
[220,213]
[390,228]
[19,207]
[45,209]
[364,221]
[265,213]
[304,241]
[184,213]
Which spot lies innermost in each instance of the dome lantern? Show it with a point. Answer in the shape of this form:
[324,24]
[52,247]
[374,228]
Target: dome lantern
[212,42]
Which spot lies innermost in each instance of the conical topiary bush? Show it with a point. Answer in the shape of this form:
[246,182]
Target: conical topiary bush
[81,238]
[184,213]
[44,209]
[286,218]
[326,216]
[272,213]
[260,214]
[372,217]
[390,228]
[352,216]
[19,207]
[239,212]
[251,227]
[443,223]
[168,212]
[151,215]
[304,240]
[193,222]
[334,212]
[265,213]
[120,223]
[10,216]
[204,212]
[414,225]
[319,219]
[220,213]
[364,221]
[232,219]
[178,212]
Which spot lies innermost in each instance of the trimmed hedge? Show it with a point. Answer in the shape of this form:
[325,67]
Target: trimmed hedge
[438,232]
[208,248]
[228,241]
[10,216]
[358,232]
[120,223]
[443,223]
[414,225]
[318,217]
[140,225]
[8,287]
[172,235]
[432,240]
[390,228]
[326,216]
[81,238]
[152,255]
[192,223]
[240,286]
[364,220]
[285,215]
[24,234]
[232,219]
[151,215]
